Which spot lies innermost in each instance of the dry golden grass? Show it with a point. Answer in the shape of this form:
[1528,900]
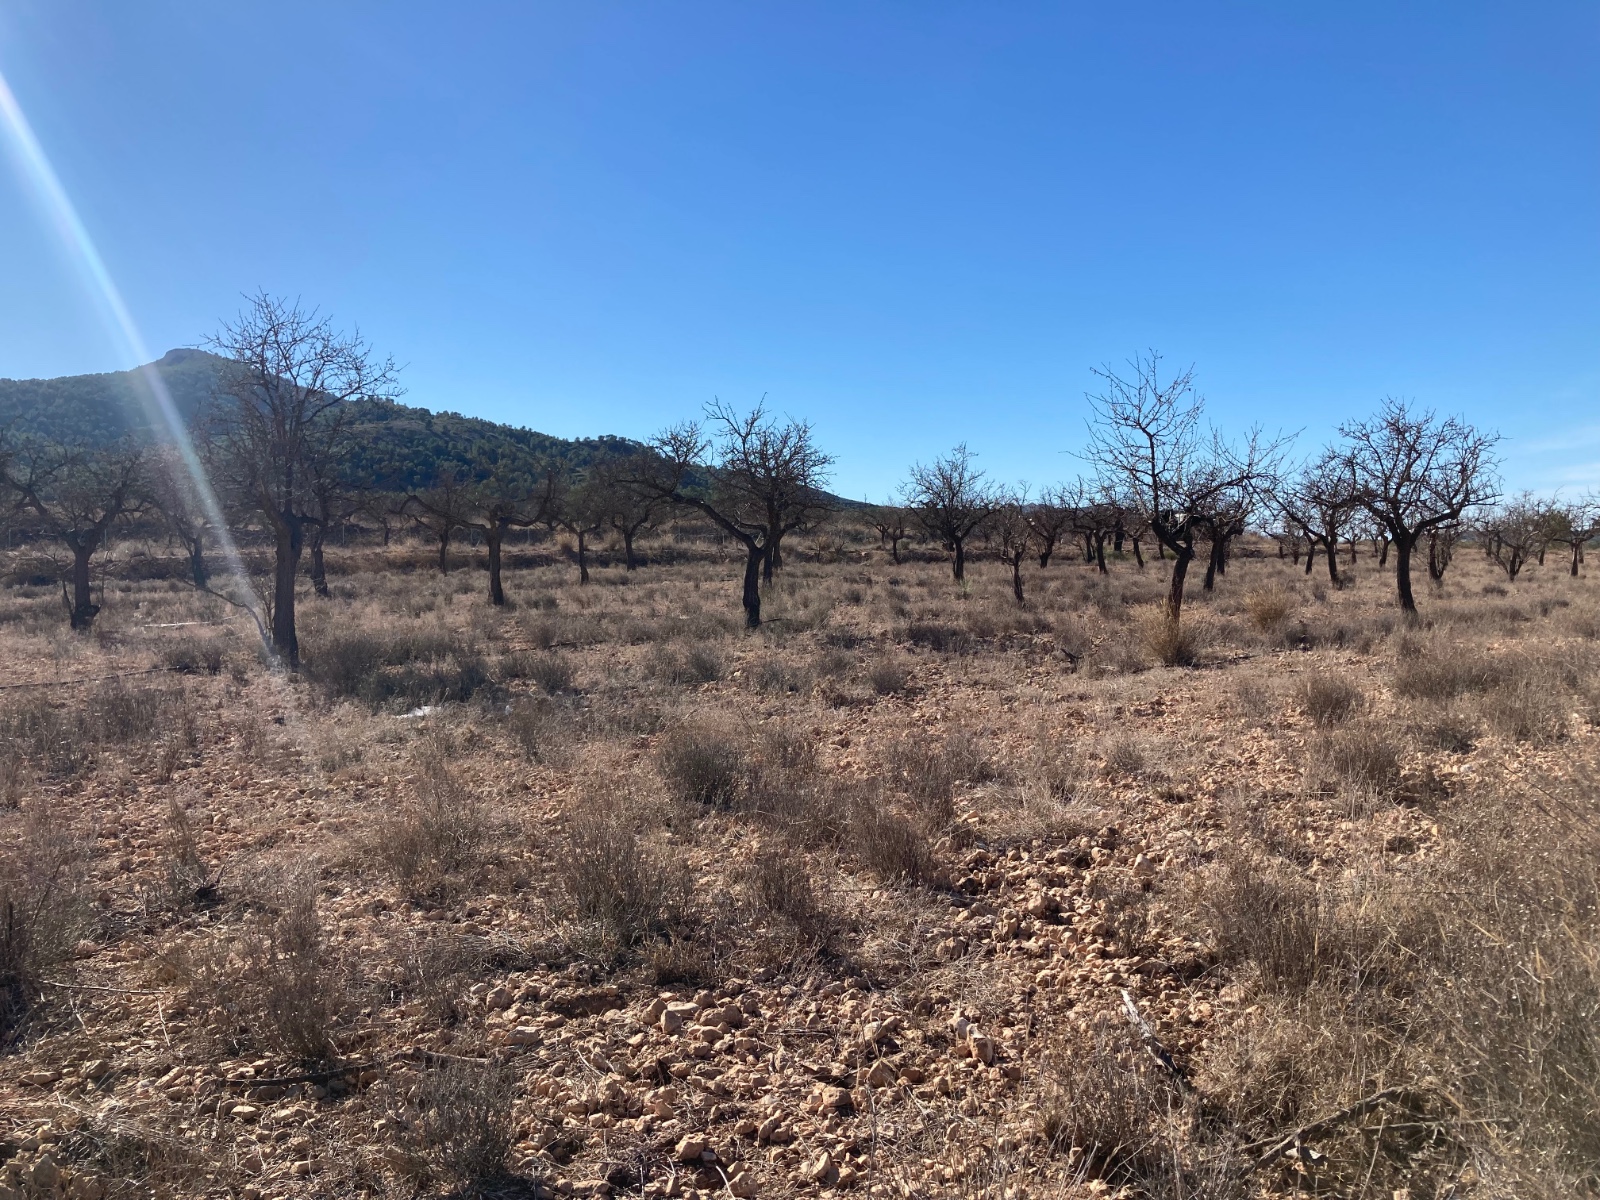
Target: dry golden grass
[465,852]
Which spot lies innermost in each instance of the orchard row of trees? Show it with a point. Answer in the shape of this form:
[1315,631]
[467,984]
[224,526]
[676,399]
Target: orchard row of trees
[1159,473]
[276,455]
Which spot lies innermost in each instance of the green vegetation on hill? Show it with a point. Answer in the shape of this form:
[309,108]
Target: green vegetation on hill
[398,446]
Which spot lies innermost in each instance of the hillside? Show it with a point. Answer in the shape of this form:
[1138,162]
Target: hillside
[400,445]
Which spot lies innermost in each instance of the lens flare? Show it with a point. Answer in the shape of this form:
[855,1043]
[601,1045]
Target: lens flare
[157,400]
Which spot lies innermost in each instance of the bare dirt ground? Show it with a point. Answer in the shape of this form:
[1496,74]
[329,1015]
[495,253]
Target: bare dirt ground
[601,894]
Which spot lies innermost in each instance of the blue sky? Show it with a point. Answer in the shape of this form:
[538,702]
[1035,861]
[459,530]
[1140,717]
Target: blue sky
[911,223]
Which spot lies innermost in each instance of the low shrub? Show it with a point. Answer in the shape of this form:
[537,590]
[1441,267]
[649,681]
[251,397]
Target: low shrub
[1330,700]
[1268,607]
[437,833]
[1361,757]
[43,911]
[1166,638]
[552,672]
[892,845]
[394,668]
[464,1119]
[778,883]
[613,881]
[1528,710]
[703,764]
[946,639]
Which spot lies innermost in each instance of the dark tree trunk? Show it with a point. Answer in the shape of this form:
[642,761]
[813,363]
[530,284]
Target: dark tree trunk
[1577,549]
[1311,555]
[1016,577]
[289,541]
[1180,570]
[319,571]
[492,538]
[627,549]
[444,551]
[1138,555]
[1117,541]
[1402,574]
[1161,549]
[82,610]
[894,550]
[1213,565]
[198,571]
[1088,547]
[1332,546]
[1049,548]
[1100,552]
[1383,553]
[583,558]
[755,555]
[959,565]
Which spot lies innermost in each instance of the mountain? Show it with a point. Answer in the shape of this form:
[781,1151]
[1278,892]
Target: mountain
[397,444]
[94,409]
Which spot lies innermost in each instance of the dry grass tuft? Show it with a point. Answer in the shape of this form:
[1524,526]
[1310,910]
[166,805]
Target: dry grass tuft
[1330,700]
[703,764]
[613,881]
[1165,638]
[43,912]
[1268,607]
[464,1120]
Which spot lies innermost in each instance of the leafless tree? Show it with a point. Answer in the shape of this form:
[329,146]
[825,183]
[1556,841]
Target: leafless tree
[1148,440]
[442,508]
[755,478]
[1511,533]
[951,498]
[1441,549]
[630,510]
[1051,517]
[507,490]
[1013,535]
[1414,472]
[178,505]
[579,502]
[1573,524]
[74,495]
[286,394]
[892,524]
[1317,503]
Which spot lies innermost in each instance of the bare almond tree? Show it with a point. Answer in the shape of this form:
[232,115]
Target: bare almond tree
[1148,440]
[1051,517]
[442,508]
[1512,533]
[74,496]
[1414,472]
[892,524]
[1317,503]
[629,509]
[951,498]
[286,398]
[581,504]
[754,477]
[1013,535]
[1574,524]
[177,503]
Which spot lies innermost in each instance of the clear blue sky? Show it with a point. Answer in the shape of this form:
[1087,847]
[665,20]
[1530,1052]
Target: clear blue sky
[911,223]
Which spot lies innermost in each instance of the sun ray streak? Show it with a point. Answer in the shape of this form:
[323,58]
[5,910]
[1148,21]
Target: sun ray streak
[156,399]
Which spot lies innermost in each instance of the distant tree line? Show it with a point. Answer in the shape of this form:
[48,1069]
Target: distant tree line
[295,444]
